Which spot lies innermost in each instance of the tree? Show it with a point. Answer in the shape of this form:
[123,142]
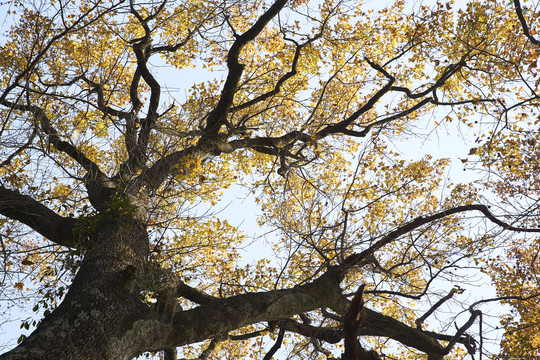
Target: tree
[308,106]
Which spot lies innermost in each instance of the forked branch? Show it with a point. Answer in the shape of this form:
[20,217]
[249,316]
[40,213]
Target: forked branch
[218,116]
[43,120]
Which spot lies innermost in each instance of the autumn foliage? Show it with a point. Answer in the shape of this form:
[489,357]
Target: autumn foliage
[392,149]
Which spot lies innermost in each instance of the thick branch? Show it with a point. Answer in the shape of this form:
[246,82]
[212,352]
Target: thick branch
[218,116]
[155,93]
[173,48]
[292,72]
[277,345]
[365,131]
[277,142]
[161,169]
[154,176]
[461,331]
[438,304]
[46,222]
[420,221]
[192,294]
[136,144]
[524,25]
[142,49]
[63,146]
[342,125]
[448,72]
[329,335]
[219,317]
[351,325]
[376,324]
[101,103]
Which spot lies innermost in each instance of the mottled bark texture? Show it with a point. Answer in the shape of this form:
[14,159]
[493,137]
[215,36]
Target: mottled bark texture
[103,302]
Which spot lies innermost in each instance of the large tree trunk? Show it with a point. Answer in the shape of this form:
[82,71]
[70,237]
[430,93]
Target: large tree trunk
[103,301]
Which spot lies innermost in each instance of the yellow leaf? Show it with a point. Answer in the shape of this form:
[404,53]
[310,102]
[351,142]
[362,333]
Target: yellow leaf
[19,286]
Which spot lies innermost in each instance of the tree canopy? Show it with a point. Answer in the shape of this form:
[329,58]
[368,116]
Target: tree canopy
[123,124]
